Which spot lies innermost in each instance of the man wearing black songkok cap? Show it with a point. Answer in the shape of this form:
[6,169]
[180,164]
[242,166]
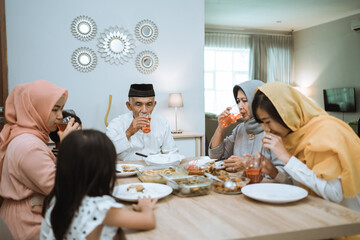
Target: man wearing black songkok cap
[141,90]
[126,131]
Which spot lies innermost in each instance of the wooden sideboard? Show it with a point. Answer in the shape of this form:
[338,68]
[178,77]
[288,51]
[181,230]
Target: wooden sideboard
[191,138]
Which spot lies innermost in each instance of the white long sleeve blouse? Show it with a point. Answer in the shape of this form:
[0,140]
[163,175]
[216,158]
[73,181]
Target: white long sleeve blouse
[329,190]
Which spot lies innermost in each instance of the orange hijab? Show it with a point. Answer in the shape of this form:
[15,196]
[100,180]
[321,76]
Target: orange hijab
[325,144]
[27,110]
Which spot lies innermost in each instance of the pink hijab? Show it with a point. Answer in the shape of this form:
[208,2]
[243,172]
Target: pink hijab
[27,110]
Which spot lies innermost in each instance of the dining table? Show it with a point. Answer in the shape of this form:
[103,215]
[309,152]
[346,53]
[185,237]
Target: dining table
[222,216]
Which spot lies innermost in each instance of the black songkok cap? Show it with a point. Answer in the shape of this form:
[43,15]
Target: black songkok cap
[141,90]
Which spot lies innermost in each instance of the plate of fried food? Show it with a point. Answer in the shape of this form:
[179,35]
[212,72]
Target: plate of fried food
[132,191]
[201,165]
[126,170]
[204,161]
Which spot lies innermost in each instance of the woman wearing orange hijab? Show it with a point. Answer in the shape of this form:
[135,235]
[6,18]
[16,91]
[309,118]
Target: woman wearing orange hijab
[321,153]
[27,165]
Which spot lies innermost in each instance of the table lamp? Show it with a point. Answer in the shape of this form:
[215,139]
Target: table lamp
[175,101]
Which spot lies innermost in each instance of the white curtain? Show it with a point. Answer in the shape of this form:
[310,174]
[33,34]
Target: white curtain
[271,57]
[226,40]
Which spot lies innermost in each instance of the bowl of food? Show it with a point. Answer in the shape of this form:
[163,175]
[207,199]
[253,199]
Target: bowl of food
[171,159]
[151,173]
[190,186]
[239,181]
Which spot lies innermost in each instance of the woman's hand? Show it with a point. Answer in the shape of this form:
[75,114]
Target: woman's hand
[267,166]
[275,144]
[71,126]
[234,164]
[144,204]
[223,114]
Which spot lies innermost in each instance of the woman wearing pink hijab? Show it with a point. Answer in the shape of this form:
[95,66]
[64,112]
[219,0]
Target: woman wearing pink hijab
[27,165]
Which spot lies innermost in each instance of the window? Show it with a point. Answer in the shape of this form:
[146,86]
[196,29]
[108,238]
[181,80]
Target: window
[223,69]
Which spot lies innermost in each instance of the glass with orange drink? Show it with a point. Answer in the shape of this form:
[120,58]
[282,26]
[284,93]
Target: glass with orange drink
[230,118]
[253,170]
[63,123]
[147,128]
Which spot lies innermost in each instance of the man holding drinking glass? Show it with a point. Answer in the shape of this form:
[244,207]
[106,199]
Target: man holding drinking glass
[140,131]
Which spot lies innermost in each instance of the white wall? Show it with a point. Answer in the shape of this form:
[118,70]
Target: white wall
[328,56]
[40,45]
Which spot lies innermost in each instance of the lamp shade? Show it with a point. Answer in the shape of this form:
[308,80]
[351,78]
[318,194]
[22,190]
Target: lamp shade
[175,100]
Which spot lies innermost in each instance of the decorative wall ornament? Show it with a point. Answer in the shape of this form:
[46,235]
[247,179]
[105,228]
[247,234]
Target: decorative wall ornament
[84,59]
[146,62]
[84,28]
[146,31]
[116,45]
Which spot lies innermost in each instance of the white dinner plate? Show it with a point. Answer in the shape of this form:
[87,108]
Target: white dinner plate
[274,192]
[126,174]
[154,190]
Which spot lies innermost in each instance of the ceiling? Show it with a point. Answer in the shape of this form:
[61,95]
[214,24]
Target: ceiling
[275,15]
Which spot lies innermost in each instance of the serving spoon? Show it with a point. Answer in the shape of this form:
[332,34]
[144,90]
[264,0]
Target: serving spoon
[227,184]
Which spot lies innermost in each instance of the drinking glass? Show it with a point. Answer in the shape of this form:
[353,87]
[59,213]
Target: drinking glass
[253,170]
[147,128]
[231,118]
[63,123]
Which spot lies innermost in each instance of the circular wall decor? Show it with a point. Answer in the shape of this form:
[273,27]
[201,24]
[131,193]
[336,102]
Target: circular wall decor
[84,59]
[146,31]
[116,45]
[83,28]
[146,62]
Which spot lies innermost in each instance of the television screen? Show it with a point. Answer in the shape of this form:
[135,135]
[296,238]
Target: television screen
[340,100]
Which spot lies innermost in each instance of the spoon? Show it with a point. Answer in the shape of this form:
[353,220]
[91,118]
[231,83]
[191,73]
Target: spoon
[142,155]
[261,154]
[171,182]
[227,184]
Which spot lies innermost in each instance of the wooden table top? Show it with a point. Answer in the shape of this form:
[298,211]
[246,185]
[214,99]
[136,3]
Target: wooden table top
[219,216]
